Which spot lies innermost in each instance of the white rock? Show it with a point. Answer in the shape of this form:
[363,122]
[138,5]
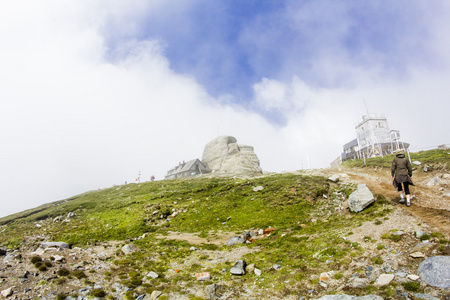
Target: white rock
[413,277]
[203,276]
[130,248]
[155,295]
[258,188]
[152,275]
[223,155]
[6,293]
[384,279]
[257,272]
[417,255]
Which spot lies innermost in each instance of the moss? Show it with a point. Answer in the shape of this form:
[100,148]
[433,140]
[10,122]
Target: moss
[78,274]
[411,286]
[35,259]
[63,272]
[98,293]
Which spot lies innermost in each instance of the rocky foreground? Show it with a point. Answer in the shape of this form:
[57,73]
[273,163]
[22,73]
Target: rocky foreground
[51,270]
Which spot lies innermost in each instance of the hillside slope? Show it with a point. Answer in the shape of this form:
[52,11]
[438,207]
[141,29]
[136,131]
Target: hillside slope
[137,240]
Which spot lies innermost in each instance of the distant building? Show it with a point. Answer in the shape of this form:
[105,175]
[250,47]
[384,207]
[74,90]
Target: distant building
[373,138]
[187,169]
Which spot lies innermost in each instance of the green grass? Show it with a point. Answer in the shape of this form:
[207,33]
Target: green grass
[438,159]
[204,206]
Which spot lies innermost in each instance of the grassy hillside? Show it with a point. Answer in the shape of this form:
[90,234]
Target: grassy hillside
[308,233]
[309,236]
[438,159]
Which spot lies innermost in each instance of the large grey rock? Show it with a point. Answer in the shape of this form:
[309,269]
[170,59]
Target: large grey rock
[235,240]
[211,291]
[57,245]
[435,181]
[436,271]
[348,297]
[357,282]
[239,268]
[130,248]
[360,199]
[224,155]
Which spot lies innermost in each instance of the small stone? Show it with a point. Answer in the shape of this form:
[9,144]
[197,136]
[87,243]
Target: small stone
[356,282]
[152,275]
[257,272]
[6,293]
[276,267]
[203,276]
[58,258]
[384,279]
[211,291]
[193,249]
[250,268]
[258,188]
[239,268]
[417,255]
[419,233]
[155,295]
[130,248]
[324,277]
[413,277]
[417,163]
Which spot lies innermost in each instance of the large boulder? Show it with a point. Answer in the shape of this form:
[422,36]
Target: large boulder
[436,271]
[360,199]
[224,155]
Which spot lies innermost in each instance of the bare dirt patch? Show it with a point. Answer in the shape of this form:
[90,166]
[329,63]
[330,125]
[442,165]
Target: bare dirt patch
[429,204]
[219,239]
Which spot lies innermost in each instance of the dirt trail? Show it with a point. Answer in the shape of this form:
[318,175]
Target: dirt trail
[429,204]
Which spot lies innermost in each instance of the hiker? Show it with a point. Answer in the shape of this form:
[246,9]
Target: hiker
[401,172]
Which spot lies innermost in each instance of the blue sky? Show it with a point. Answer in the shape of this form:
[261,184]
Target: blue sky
[228,46]
[94,91]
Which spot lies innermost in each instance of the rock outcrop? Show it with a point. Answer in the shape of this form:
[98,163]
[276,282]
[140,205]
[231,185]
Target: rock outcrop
[360,199]
[224,155]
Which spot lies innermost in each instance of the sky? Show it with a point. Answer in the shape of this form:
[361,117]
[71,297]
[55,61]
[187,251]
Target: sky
[95,92]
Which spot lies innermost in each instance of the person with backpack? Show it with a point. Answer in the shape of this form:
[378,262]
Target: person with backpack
[401,172]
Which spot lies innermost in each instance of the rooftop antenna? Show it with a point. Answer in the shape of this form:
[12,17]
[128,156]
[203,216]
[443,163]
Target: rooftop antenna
[365,104]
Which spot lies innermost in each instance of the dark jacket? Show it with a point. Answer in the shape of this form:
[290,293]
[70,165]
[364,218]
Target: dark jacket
[401,169]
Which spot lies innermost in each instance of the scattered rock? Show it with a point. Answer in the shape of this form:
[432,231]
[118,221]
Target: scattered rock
[356,282]
[155,295]
[258,188]
[2,252]
[360,199]
[130,248]
[152,274]
[436,271]
[419,234]
[384,279]
[211,291]
[257,272]
[203,276]
[425,296]
[239,239]
[348,297]
[239,268]
[250,268]
[417,163]
[417,255]
[413,277]
[334,178]
[323,276]
[434,181]
[56,245]
[8,292]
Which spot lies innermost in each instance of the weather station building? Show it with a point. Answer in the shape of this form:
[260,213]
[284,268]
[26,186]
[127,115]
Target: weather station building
[373,138]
